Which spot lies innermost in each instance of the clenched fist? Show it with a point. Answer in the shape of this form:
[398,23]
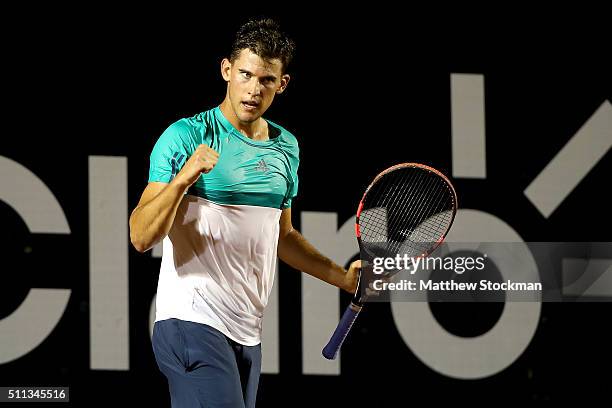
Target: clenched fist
[203,160]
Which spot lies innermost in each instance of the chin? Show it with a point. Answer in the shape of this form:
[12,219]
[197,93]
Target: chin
[248,117]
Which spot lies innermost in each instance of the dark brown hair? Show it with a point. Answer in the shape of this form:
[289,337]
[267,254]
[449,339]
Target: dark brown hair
[264,37]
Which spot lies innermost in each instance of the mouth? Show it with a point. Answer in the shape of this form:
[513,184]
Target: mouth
[250,106]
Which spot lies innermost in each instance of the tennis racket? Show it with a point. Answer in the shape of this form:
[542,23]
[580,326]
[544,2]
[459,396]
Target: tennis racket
[407,209]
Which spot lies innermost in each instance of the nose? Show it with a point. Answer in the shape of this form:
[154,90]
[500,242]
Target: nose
[255,88]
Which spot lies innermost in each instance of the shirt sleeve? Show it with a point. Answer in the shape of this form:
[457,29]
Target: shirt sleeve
[171,151]
[294,162]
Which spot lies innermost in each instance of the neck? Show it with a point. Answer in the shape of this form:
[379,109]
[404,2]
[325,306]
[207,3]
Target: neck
[256,130]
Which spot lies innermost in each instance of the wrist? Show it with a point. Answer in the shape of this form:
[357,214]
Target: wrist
[339,275]
[347,284]
[180,183]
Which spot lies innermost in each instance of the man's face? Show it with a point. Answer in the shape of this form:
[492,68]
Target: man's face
[252,84]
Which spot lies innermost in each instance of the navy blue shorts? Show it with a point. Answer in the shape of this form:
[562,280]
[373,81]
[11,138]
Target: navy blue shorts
[204,368]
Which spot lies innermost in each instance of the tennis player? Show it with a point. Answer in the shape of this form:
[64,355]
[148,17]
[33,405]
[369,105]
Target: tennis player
[219,195]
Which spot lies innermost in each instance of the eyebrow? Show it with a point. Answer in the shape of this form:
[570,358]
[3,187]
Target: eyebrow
[269,77]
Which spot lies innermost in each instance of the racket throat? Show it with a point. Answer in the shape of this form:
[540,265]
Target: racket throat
[356,307]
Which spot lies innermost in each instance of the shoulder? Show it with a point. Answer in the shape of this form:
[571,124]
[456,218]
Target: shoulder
[189,131]
[201,121]
[287,140]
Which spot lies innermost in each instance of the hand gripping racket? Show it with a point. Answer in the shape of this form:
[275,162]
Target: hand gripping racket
[407,209]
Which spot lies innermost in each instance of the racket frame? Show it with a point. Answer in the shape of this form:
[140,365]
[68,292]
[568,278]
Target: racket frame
[360,297]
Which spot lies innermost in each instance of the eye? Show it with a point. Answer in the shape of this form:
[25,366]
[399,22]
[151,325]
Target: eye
[246,75]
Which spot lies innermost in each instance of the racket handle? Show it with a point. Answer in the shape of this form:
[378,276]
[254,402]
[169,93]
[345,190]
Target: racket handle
[348,318]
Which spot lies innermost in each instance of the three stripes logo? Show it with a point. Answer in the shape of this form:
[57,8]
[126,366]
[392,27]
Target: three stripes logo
[262,166]
[177,163]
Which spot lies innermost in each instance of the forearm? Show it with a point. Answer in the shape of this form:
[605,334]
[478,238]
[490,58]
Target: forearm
[298,253]
[152,221]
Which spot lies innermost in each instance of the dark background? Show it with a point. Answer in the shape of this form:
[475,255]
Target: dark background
[370,87]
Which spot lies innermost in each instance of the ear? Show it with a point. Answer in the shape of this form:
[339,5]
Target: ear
[283,84]
[226,69]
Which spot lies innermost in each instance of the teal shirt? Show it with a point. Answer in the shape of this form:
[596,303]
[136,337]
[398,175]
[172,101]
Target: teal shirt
[249,172]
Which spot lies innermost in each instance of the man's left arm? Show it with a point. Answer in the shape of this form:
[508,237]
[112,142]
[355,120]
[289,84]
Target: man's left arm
[298,253]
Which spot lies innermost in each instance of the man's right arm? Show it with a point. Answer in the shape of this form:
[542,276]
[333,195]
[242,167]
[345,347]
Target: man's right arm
[154,215]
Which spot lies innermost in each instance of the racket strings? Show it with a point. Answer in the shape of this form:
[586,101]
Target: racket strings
[407,211]
[429,229]
[386,192]
[422,190]
[415,208]
[404,190]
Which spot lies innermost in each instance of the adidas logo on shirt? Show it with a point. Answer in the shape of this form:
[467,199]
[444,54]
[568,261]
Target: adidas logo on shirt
[262,166]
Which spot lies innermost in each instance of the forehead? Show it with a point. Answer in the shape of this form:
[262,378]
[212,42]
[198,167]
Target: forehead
[252,62]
